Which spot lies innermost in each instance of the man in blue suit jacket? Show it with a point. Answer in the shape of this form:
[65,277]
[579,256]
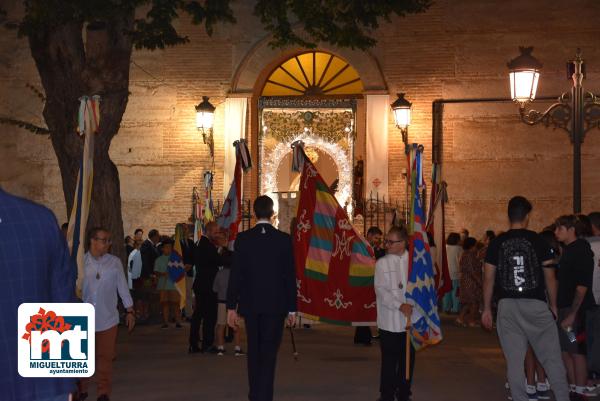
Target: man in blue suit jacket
[35,266]
[263,286]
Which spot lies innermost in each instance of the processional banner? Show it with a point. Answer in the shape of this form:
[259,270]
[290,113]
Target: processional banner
[335,265]
[421,289]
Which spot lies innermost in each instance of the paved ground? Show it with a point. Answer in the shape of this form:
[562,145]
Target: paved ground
[152,364]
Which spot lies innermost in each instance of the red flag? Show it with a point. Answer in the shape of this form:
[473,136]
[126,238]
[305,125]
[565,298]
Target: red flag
[334,263]
[437,204]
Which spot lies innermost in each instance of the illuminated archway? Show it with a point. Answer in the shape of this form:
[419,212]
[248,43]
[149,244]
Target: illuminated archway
[313,73]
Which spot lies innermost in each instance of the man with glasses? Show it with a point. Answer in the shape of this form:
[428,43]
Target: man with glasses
[104,278]
[394,316]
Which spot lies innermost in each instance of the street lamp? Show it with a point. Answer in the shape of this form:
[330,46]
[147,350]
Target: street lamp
[402,109]
[576,112]
[205,117]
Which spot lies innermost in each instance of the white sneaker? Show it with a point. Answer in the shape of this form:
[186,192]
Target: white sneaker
[543,391]
[508,395]
[531,392]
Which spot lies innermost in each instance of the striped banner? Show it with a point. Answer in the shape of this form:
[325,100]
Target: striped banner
[335,265]
[88,122]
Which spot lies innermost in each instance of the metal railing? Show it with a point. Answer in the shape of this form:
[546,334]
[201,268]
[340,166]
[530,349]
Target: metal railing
[379,212]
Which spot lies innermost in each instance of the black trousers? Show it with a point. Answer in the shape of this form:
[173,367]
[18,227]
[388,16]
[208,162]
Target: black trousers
[205,314]
[362,335]
[393,366]
[264,333]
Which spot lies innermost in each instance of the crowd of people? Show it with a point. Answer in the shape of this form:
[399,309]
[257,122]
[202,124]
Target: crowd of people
[207,263]
[542,293]
[558,267]
[540,290]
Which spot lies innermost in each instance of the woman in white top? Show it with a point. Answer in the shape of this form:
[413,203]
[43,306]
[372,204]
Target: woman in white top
[393,312]
[104,280]
[450,303]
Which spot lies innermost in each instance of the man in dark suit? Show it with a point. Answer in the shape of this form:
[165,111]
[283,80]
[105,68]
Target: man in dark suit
[143,285]
[149,253]
[187,250]
[263,285]
[207,260]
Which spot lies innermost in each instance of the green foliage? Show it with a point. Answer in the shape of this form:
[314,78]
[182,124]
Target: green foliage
[154,30]
[344,23]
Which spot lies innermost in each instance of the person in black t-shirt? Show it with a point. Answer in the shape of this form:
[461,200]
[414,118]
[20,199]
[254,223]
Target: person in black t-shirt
[515,264]
[575,277]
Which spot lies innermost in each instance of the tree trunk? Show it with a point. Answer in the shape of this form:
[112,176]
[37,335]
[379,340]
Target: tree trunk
[70,69]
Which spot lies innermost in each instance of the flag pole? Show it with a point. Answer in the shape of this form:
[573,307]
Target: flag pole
[295,351]
[407,370]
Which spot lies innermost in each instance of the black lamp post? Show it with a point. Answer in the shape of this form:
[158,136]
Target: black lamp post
[205,117]
[576,112]
[402,109]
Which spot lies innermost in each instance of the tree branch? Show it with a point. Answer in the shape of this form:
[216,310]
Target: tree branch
[25,125]
[36,91]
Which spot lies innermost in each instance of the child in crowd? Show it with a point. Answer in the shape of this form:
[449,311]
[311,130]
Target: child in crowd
[169,297]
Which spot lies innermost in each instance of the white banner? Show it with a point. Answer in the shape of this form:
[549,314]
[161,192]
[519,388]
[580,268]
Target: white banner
[377,145]
[235,128]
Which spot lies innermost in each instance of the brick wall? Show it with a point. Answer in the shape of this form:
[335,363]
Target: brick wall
[458,49]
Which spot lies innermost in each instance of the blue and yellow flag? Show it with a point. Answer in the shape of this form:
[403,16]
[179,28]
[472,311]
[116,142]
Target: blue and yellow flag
[175,267]
[421,289]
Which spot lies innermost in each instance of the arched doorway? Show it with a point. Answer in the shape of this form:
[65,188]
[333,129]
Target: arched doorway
[310,96]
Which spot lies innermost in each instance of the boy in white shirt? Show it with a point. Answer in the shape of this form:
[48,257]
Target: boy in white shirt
[394,316]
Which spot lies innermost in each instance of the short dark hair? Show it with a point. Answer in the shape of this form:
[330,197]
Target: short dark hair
[550,228]
[138,230]
[374,230]
[587,225]
[165,240]
[518,209]
[469,243]
[93,232]
[595,219]
[453,239]
[152,233]
[490,234]
[572,221]
[401,232]
[550,238]
[263,207]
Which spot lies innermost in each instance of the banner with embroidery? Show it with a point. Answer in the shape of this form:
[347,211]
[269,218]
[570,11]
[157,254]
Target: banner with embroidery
[334,263]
